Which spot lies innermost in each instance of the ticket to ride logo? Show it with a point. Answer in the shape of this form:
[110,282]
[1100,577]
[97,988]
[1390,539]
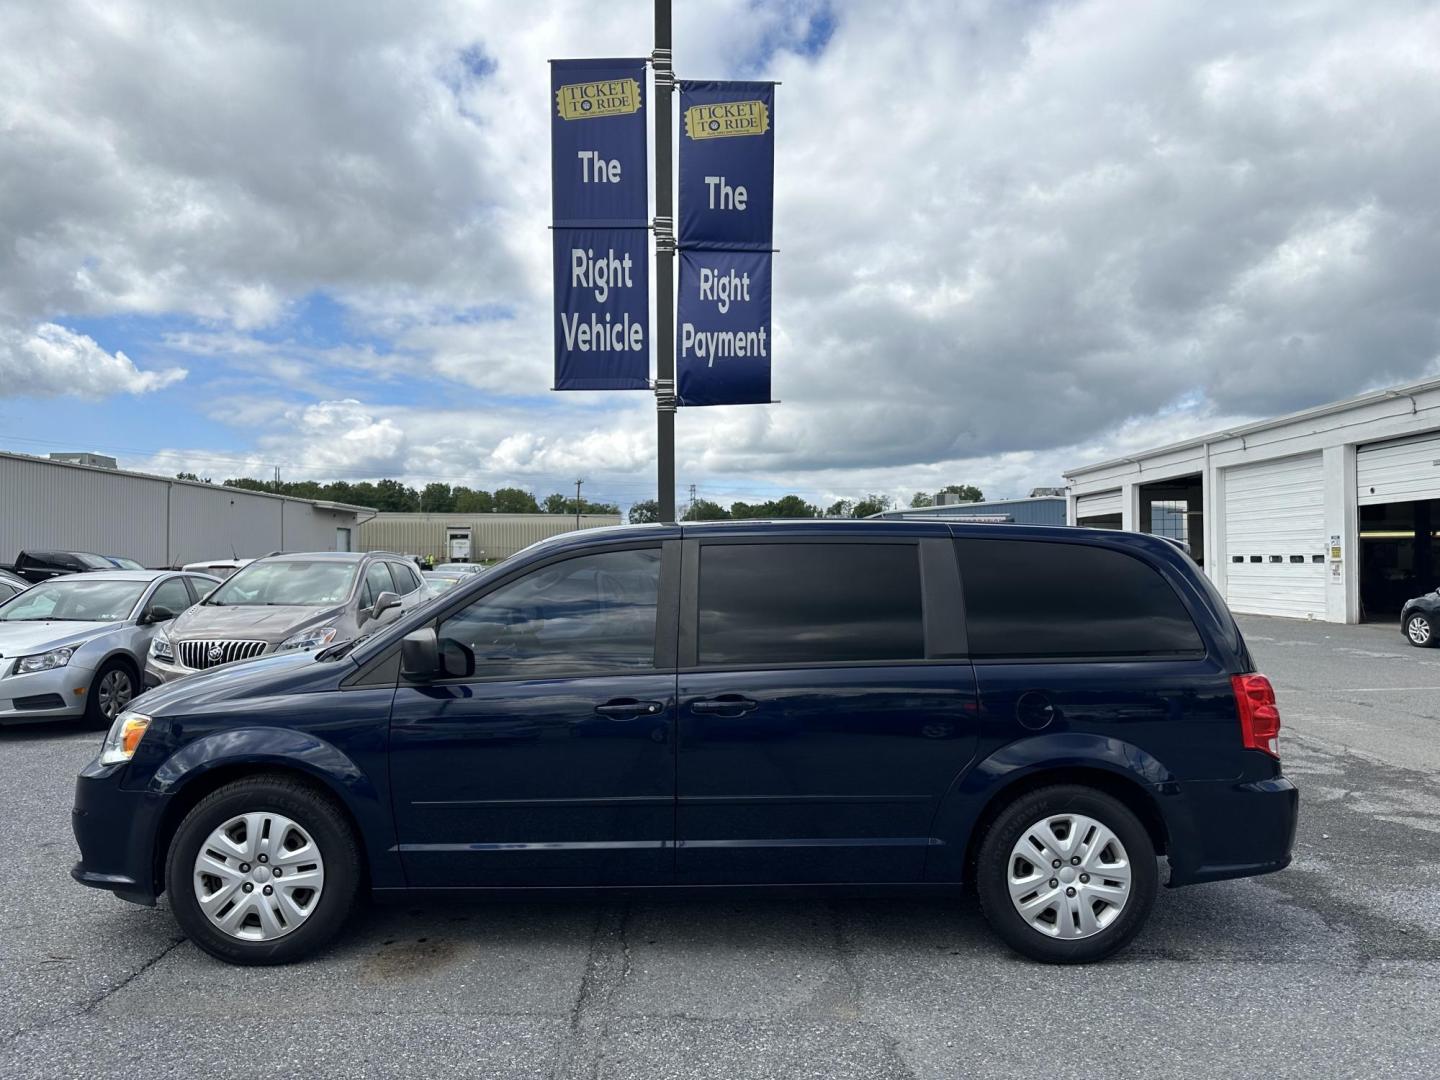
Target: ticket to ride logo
[725,119]
[608,97]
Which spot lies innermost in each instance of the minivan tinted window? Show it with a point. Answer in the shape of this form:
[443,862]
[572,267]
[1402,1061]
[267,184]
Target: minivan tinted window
[1028,598]
[588,615]
[797,603]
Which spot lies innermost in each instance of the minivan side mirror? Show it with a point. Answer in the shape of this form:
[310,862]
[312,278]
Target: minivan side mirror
[420,655]
[385,602]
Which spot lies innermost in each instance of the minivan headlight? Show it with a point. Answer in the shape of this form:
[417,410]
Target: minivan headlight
[46,661]
[311,639]
[125,735]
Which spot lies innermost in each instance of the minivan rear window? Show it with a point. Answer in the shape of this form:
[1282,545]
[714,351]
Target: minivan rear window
[1038,599]
[797,603]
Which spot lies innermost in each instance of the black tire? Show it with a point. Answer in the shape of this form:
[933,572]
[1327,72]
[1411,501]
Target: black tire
[111,672]
[314,812]
[992,874]
[1425,631]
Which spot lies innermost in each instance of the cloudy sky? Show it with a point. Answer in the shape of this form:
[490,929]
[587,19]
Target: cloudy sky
[1014,237]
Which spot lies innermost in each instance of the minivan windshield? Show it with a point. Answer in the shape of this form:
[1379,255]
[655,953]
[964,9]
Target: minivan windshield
[74,599]
[298,582]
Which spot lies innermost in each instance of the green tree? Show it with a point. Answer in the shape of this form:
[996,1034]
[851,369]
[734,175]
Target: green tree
[515,501]
[787,506]
[466,500]
[644,512]
[967,492]
[705,510]
[393,496]
[922,499]
[842,509]
[437,498]
[871,504]
[558,504]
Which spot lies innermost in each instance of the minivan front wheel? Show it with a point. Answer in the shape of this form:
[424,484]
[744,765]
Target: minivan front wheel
[264,870]
[1066,875]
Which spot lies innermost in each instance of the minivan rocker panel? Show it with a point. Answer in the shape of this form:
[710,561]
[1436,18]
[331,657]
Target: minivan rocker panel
[1036,711]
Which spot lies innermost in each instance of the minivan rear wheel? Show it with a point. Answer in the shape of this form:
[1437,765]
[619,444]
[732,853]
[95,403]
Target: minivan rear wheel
[1066,875]
[264,870]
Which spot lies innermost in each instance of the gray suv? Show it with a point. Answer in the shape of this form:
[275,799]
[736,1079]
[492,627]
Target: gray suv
[286,602]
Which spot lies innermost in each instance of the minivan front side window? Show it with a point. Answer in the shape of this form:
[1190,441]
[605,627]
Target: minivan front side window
[299,583]
[595,613]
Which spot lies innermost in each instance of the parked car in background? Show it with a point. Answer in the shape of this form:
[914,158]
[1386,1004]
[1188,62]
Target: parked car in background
[283,603]
[458,568]
[437,582]
[10,584]
[1037,710]
[123,563]
[220,568]
[1420,620]
[44,565]
[76,645]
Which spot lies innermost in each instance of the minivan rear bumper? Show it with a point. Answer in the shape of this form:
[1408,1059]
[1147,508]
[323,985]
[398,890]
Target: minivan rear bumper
[1230,829]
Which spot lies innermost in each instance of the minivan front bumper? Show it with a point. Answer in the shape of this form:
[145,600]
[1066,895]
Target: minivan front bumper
[116,830]
[1229,829]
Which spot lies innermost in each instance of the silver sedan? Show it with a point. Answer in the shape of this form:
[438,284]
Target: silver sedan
[76,645]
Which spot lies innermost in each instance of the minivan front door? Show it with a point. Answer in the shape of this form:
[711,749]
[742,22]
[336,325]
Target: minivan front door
[825,707]
[544,754]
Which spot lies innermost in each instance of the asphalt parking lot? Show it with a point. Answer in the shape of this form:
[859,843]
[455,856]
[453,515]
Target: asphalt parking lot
[1331,968]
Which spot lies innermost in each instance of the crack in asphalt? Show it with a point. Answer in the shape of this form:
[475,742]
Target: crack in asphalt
[94,1001]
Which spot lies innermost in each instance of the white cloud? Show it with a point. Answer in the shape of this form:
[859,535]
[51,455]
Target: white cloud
[1011,236]
[50,361]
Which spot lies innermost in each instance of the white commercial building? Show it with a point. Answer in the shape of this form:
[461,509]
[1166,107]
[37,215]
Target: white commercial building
[1331,513]
[156,520]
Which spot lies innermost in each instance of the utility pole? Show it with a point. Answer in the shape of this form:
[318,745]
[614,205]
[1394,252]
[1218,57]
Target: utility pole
[692,500]
[660,60]
[578,482]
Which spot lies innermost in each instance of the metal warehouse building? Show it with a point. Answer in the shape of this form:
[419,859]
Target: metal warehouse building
[1330,513]
[1036,510]
[57,505]
[469,537]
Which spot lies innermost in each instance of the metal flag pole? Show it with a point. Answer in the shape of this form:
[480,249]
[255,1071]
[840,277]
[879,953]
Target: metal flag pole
[660,60]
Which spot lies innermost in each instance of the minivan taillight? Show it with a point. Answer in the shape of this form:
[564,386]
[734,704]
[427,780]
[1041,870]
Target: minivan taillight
[1259,715]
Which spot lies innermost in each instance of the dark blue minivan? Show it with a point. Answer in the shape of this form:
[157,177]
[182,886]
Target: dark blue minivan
[1039,712]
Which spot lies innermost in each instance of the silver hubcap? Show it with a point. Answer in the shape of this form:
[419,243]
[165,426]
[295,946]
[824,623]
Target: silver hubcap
[1419,629]
[115,693]
[1069,876]
[259,876]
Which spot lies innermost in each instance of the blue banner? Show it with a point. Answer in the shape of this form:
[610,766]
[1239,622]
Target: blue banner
[727,165]
[600,201]
[602,309]
[723,339]
[598,126]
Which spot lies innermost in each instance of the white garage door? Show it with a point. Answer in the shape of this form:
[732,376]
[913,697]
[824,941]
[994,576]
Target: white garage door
[1101,504]
[1275,537]
[1398,471]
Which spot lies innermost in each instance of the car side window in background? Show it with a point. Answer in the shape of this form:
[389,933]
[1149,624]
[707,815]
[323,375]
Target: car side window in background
[377,580]
[809,603]
[406,580]
[588,615]
[171,594]
[1045,599]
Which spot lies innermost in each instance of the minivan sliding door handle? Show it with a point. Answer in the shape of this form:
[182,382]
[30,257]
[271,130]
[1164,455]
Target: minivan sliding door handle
[628,708]
[725,705]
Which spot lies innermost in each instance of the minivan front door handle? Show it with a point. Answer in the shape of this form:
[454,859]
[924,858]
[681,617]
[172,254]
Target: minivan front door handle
[725,705]
[628,708]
